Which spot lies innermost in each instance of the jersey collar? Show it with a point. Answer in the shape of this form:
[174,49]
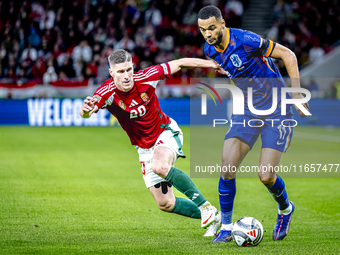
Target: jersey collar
[227,41]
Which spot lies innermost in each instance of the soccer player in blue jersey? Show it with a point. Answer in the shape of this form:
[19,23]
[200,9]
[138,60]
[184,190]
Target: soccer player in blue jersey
[246,58]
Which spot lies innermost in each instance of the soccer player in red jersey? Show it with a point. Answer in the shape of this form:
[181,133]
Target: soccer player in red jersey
[131,98]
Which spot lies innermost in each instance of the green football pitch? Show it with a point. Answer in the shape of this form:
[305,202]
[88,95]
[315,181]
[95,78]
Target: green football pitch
[80,190]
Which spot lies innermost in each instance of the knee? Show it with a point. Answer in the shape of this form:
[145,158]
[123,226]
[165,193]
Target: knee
[161,169]
[166,205]
[268,182]
[228,171]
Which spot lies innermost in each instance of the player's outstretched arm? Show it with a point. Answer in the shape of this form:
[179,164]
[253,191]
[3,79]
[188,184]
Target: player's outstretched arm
[291,64]
[89,107]
[189,63]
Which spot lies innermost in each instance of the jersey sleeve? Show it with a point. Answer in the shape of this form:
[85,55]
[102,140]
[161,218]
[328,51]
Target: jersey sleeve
[99,94]
[153,74]
[256,45]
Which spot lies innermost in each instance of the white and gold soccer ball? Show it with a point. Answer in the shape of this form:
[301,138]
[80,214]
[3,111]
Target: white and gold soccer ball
[247,231]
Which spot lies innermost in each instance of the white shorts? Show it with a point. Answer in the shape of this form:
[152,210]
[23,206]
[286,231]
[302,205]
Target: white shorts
[171,138]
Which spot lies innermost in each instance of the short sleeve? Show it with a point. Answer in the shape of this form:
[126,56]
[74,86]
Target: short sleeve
[153,74]
[256,45]
[103,94]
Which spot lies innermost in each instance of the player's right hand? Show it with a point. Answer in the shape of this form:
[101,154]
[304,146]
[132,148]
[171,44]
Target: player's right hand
[89,104]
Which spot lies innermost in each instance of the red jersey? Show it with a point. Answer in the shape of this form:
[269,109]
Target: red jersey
[137,110]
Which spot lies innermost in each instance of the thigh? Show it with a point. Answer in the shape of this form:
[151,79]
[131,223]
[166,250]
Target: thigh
[163,156]
[234,151]
[145,158]
[276,136]
[240,129]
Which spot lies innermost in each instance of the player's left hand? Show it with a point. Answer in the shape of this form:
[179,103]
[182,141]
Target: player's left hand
[219,68]
[298,96]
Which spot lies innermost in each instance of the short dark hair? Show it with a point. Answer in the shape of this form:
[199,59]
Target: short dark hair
[119,56]
[209,11]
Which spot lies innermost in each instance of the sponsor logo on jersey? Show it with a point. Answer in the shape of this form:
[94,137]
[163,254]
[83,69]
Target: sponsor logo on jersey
[110,100]
[235,59]
[133,103]
[122,105]
[144,97]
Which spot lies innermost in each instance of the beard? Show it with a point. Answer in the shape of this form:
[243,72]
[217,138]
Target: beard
[219,39]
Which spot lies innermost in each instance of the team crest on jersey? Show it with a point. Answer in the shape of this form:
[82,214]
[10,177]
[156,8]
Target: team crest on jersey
[144,97]
[122,105]
[235,59]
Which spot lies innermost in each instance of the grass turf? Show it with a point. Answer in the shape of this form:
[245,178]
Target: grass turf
[80,190]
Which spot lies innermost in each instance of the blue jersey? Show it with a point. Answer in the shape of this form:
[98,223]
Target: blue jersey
[246,58]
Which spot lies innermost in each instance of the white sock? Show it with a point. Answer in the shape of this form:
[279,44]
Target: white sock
[227,226]
[287,210]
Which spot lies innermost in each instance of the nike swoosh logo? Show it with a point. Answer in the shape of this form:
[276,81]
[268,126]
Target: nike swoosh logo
[278,143]
[223,194]
[208,219]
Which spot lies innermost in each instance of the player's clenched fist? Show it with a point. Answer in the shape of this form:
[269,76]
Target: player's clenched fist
[89,106]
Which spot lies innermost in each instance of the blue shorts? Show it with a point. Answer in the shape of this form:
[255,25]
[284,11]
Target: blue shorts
[274,135]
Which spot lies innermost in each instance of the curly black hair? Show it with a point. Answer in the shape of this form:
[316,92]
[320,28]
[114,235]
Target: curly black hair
[209,11]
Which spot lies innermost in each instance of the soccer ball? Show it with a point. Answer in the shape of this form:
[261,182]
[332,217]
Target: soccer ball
[247,231]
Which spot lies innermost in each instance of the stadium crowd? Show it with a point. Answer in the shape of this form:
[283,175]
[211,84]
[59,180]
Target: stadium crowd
[309,28]
[51,40]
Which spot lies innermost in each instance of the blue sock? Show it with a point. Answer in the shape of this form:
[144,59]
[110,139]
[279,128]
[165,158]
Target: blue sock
[279,193]
[227,191]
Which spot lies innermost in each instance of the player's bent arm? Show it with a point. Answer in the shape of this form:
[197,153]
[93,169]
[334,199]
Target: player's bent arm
[188,63]
[290,61]
[291,65]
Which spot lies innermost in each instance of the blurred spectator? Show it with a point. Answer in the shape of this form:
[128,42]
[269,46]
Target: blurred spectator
[38,69]
[92,68]
[29,53]
[153,16]
[190,16]
[34,38]
[47,19]
[83,50]
[309,28]
[103,70]
[70,35]
[313,86]
[125,43]
[316,53]
[50,74]
[67,67]
[233,10]
[62,76]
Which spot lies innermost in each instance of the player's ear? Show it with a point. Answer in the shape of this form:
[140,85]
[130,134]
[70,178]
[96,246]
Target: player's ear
[111,72]
[223,22]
